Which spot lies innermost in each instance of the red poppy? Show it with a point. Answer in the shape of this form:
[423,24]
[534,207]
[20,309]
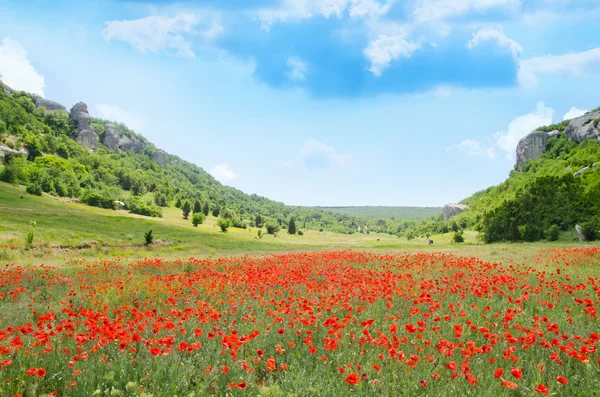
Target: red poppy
[562,380]
[517,373]
[451,366]
[498,373]
[509,384]
[542,389]
[352,379]
[41,372]
[241,385]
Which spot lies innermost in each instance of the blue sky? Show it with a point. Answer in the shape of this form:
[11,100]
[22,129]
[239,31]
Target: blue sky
[318,102]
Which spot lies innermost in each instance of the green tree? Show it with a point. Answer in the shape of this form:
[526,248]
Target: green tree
[215,212]
[292,226]
[197,207]
[205,208]
[258,221]
[224,224]
[272,227]
[198,218]
[186,209]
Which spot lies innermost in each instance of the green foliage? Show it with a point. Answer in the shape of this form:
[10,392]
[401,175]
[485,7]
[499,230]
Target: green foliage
[136,205]
[30,234]
[34,189]
[215,212]
[259,234]
[197,207]
[458,237]
[258,221]
[206,208]
[300,233]
[591,229]
[148,237]
[224,224]
[273,227]
[292,226]
[186,209]
[551,234]
[99,198]
[198,218]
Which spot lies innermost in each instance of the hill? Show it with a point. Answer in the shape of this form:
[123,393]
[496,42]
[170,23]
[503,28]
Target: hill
[554,187]
[383,212]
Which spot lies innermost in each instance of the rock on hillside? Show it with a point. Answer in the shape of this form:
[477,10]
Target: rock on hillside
[110,138]
[49,105]
[531,147]
[451,210]
[160,156]
[584,127]
[83,122]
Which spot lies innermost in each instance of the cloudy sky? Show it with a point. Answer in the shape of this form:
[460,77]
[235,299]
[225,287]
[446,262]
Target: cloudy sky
[318,102]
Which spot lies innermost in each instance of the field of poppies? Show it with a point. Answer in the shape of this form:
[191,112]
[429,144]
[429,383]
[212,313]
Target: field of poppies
[326,324]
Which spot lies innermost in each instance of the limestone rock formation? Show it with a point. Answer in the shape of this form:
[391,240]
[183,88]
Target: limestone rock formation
[133,145]
[584,127]
[110,138]
[531,147]
[453,209]
[579,233]
[160,156]
[7,89]
[49,105]
[83,122]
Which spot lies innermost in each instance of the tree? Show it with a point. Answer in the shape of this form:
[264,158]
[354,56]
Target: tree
[178,202]
[292,226]
[205,209]
[258,221]
[186,209]
[216,212]
[224,224]
[197,207]
[272,227]
[148,237]
[198,218]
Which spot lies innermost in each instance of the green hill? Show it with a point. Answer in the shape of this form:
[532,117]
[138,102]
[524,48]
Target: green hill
[383,212]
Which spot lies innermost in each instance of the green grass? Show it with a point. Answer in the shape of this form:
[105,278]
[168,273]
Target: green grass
[66,230]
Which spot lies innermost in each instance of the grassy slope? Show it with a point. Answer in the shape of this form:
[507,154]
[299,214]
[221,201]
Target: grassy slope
[383,212]
[67,230]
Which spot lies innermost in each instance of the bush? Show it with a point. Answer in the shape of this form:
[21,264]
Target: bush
[552,233]
[148,237]
[30,235]
[186,209]
[300,233]
[458,237]
[136,206]
[272,227]
[590,229]
[224,224]
[34,189]
[260,234]
[529,232]
[198,218]
[97,198]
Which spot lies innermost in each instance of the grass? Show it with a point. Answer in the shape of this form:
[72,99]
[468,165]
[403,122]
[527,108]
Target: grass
[67,230]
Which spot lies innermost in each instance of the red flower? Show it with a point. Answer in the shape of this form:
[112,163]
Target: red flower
[41,372]
[451,366]
[411,328]
[562,379]
[241,385]
[542,389]
[517,373]
[508,384]
[352,379]
[31,371]
[271,366]
[498,373]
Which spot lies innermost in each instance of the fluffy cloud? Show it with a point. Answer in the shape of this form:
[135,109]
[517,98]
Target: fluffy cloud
[385,49]
[474,148]
[573,63]
[491,34]
[506,140]
[298,69]
[574,112]
[158,33]
[223,173]
[316,155]
[434,11]
[115,113]
[16,70]
[522,125]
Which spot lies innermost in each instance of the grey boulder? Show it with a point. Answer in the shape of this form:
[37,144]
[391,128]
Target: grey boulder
[83,122]
[133,145]
[160,156]
[111,137]
[584,127]
[579,233]
[88,138]
[531,147]
[451,210]
[49,105]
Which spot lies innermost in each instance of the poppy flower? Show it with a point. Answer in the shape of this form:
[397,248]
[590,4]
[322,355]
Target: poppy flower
[517,373]
[562,380]
[352,379]
[451,366]
[242,385]
[508,384]
[498,373]
[41,372]
[542,389]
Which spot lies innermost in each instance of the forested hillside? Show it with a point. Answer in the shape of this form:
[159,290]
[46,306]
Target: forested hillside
[386,212]
[552,193]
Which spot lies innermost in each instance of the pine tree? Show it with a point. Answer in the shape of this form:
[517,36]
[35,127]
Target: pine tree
[197,207]
[292,226]
[258,221]
[206,209]
[178,202]
[186,209]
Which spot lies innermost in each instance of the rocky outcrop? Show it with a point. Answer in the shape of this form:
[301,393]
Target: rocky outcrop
[531,147]
[583,128]
[133,145]
[7,89]
[5,149]
[83,123]
[111,138]
[160,156]
[451,210]
[580,234]
[584,169]
[49,105]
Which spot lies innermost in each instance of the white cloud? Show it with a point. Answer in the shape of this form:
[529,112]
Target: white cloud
[16,70]
[223,173]
[491,34]
[318,156]
[434,11]
[385,49]
[303,9]
[158,33]
[298,69]
[522,125]
[443,91]
[574,112]
[474,148]
[115,113]
[573,63]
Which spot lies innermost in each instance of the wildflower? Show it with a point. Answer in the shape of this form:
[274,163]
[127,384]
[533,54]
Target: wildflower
[352,379]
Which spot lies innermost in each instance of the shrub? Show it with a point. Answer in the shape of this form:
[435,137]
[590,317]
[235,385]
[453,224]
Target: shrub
[148,237]
[30,234]
[136,206]
[292,226]
[458,237]
[198,219]
[551,234]
[529,232]
[34,189]
[272,227]
[97,198]
[591,229]
[260,234]
[224,224]
[186,209]
[300,233]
